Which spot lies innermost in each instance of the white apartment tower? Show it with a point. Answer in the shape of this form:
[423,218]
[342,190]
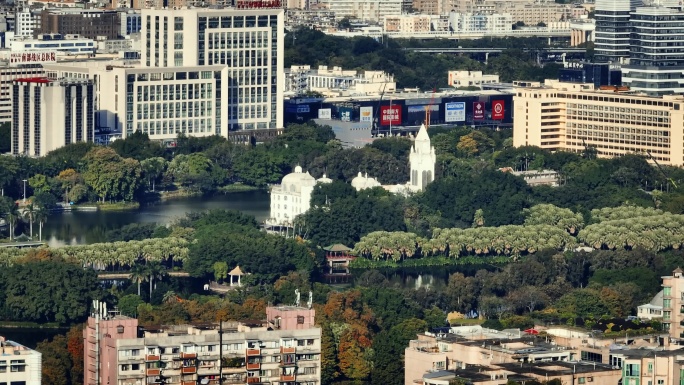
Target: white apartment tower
[612,35]
[422,159]
[49,114]
[19,365]
[249,42]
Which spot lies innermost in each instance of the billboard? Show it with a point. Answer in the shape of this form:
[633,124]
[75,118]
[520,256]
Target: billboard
[345,114]
[390,115]
[366,114]
[497,109]
[32,57]
[325,113]
[454,112]
[414,109]
[298,109]
[478,110]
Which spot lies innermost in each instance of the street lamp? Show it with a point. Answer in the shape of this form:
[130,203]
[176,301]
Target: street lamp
[24,180]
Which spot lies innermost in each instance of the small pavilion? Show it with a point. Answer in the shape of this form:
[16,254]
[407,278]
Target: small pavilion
[236,272]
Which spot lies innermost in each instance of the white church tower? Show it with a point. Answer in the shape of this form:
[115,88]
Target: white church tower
[422,160]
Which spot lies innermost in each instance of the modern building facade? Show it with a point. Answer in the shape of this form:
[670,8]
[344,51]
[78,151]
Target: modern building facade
[656,58]
[673,305]
[19,365]
[88,23]
[8,74]
[480,22]
[251,352]
[570,117]
[48,114]
[598,74]
[68,45]
[335,81]
[613,29]
[364,10]
[161,102]
[249,42]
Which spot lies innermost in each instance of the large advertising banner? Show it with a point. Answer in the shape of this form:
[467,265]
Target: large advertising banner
[497,109]
[455,112]
[390,115]
[345,114]
[478,110]
[325,113]
[366,114]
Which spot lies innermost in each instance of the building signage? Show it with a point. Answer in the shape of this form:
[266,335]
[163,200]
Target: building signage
[300,109]
[345,114]
[455,112]
[390,115]
[478,110]
[414,109]
[32,57]
[366,114]
[497,109]
[325,113]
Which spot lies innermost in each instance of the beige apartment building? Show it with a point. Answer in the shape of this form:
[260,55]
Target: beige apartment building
[285,349]
[569,117]
[673,305]
[408,23]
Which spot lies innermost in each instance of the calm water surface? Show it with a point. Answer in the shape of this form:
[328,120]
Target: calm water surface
[83,227]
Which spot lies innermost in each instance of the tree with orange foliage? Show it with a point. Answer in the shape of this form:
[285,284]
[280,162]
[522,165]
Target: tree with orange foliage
[353,355]
[75,348]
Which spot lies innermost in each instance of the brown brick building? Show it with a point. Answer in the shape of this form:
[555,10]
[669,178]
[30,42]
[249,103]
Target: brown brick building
[87,23]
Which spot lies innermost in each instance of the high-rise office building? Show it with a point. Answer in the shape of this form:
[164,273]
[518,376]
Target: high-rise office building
[656,60]
[48,114]
[612,35]
[249,42]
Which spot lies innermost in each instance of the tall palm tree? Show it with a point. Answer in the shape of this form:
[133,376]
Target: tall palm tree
[12,218]
[41,215]
[30,214]
[138,275]
[154,270]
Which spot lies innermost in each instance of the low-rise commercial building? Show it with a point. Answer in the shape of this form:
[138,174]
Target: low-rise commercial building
[334,81]
[69,45]
[19,365]
[470,79]
[245,352]
[570,117]
[50,113]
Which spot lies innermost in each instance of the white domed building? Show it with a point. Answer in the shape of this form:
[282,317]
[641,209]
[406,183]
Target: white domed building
[362,182]
[292,196]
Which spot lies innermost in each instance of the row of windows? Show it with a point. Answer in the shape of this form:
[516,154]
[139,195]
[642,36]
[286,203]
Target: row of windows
[175,127]
[174,92]
[646,140]
[166,110]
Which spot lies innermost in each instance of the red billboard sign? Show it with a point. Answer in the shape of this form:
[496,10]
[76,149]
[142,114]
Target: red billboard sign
[497,109]
[478,110]
[390,115]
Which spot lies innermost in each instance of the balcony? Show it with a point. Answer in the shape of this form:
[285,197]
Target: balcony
[189,383]
[308,349]
[152,357]
[184,356]
[189,370]
[153,372]
[254,366]
[287,377]
[235,379]
[234,370]
[287,350]
[253,380]
[253,352]
[288,363]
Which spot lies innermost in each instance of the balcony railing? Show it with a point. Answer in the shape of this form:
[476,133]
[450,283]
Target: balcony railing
[153,372]
[287,377]
[152,357]
[253,352]
[189,370]
[253,380]
[287,350]
[253,366]
[188,355]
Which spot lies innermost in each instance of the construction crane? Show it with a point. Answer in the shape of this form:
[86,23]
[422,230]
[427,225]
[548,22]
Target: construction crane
[428,110]
[674,184]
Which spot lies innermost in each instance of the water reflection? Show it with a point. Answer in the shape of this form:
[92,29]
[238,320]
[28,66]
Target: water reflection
[82,227]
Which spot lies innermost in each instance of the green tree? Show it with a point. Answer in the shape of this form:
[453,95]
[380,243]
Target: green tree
[152,169]
[137,146]
[128,304]
[110,175]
